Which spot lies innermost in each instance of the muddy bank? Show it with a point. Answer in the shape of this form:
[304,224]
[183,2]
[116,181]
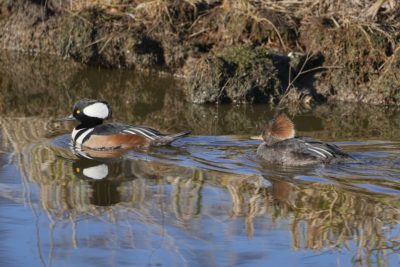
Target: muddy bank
[225,51]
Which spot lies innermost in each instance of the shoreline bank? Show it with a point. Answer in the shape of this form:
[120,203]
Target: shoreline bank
[225,51]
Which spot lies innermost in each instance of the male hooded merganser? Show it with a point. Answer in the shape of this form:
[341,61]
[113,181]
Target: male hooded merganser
[93,134]
[282,147]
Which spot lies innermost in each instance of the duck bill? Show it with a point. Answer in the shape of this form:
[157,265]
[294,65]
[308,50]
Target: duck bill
[258,137]
[68,118]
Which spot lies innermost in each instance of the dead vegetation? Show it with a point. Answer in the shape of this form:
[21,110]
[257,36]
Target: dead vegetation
[359,38]
[268,22]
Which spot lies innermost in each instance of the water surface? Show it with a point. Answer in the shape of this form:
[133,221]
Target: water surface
[204,201]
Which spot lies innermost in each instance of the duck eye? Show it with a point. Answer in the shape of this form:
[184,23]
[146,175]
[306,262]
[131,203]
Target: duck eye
[77,111]
[78,170]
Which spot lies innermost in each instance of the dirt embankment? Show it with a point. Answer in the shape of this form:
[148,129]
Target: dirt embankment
[226,50]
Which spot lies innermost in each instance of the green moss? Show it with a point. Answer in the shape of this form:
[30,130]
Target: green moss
[245,58]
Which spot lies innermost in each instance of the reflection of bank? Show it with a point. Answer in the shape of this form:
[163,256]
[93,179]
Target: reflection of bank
[320,215]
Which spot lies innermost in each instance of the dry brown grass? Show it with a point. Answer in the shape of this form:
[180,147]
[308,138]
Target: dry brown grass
[273,24]
[340,12]
[362,36]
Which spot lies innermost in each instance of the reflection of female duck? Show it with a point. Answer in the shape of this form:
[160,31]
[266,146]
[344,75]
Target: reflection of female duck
[282,147]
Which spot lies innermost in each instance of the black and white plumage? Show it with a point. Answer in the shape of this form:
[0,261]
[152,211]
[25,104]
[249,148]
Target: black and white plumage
[92,133]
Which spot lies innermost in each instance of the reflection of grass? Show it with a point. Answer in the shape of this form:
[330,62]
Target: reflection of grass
[322,216]
[329,216]
[146,99]
[332,218]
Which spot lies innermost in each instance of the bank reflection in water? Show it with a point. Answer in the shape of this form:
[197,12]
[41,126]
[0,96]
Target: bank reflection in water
[321,215]
[177,200]
[45,87]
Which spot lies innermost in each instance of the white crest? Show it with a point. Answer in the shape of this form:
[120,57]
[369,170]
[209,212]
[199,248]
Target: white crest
[97,172]
[97,110]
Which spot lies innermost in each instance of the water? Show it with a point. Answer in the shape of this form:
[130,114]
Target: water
[204,201]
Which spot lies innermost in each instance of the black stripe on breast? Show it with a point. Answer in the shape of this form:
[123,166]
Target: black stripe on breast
[87,137]
[79,133]
[82,131]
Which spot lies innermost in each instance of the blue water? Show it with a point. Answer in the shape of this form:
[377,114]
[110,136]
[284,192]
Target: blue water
[212,205]
[204,201]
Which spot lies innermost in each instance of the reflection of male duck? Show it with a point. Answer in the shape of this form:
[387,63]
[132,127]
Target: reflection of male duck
[104,179]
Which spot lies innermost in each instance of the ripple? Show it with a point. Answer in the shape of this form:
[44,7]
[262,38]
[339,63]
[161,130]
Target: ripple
[376,168]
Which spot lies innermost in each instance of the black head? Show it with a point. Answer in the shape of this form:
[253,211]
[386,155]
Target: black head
[91,111]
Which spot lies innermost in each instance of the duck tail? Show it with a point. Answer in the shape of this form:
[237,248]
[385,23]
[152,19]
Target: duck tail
[181,134]
[168,139]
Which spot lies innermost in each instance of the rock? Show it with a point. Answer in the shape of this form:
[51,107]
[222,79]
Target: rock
[238,74]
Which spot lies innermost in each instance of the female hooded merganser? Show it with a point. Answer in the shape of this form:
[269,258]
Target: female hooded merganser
[93,134]
[282,147]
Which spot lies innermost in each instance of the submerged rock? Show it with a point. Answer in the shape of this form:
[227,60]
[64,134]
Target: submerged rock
[238,74]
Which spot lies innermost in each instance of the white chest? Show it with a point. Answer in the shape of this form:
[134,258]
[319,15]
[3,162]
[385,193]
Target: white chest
[78,135]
